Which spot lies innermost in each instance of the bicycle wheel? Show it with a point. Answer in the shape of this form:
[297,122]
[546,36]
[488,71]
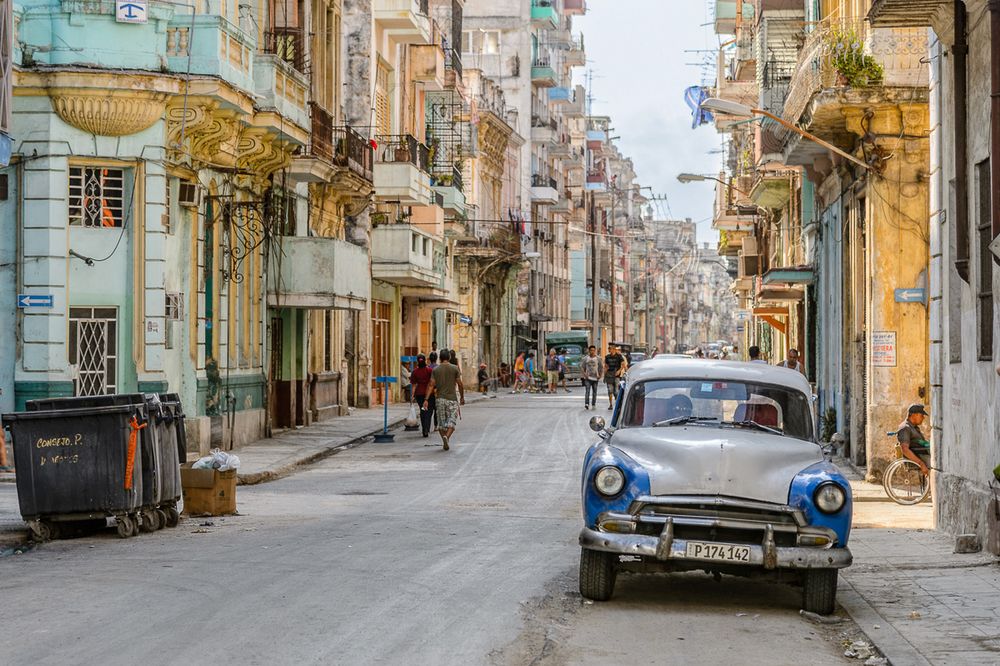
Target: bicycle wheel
[904,484]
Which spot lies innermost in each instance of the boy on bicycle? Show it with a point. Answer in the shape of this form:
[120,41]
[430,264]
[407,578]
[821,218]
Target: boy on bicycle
[913,443]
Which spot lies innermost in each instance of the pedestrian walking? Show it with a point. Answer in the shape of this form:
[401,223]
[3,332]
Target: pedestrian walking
[519,373]
[529,373]
[614,369]
[591,370]
[421,379]
[562,370]
[432,360]
[446,383]
[552,366]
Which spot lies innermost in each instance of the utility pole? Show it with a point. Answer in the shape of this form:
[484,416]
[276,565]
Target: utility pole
[614,270]
[595,280]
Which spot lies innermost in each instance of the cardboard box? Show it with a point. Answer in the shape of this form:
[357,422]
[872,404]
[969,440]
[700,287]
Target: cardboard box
[208,491]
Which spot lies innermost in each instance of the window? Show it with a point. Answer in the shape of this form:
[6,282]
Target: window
[383,103]
[93,340]
[168,213]
[96,196]
[481,42]
[719,404]
[984,290]
[954,284]
[173,312]
[328,341]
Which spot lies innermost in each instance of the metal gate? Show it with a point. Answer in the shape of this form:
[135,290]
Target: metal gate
[93,342]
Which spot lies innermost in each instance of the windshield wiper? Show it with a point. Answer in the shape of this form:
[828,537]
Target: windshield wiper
[680,420]
[754,424]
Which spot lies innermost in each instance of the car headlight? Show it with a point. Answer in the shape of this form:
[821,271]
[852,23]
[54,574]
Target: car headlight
[609,481]
[830,497]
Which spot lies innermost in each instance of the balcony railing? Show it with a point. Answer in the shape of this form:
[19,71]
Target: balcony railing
[877,57]
[447,177]
[353,151]
[538,121]
[322,132]
[453,61]
[403,149]
[538,180]
[288,44]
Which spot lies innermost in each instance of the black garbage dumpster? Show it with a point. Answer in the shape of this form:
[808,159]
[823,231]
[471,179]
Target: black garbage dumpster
[159,448]
[78,465]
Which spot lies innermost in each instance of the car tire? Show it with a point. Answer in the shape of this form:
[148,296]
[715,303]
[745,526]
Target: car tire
[597,574]
[819,591]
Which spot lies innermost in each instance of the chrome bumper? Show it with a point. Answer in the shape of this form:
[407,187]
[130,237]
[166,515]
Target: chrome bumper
[766,555]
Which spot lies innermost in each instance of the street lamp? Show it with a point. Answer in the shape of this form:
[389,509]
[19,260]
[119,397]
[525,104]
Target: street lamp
[732,108]
[698,178]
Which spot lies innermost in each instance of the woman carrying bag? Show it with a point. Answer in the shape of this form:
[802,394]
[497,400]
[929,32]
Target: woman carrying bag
[420,378]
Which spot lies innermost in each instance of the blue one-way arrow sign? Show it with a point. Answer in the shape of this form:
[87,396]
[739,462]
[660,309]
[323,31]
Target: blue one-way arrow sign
[911,295]
[34,300]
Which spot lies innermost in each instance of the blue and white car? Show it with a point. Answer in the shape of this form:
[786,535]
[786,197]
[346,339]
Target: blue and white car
[714,466]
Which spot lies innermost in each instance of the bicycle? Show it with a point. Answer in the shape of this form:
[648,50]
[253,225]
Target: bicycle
[903,481]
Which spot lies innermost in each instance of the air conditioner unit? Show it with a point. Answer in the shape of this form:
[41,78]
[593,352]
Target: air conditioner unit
[749,265]
[189,194]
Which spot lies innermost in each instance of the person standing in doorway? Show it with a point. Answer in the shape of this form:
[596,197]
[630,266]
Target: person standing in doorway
[446,383]
[421,379]
[614,369]
[590,370]
[793,362]
[552,370]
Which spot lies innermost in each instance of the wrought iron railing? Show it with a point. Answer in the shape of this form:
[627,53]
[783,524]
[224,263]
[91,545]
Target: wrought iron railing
[403,148]
[538,180]
[353,151]
[288,44]
[448,177]
[453,61]
[321,142]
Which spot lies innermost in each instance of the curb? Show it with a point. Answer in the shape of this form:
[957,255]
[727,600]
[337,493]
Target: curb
[11,540]
[274,474]
[892,644]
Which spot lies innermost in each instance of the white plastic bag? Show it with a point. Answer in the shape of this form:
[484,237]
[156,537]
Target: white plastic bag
[411,419]
[218,459]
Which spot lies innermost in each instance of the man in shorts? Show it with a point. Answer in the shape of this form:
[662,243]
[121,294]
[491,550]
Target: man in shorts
[614,369]
[445,379]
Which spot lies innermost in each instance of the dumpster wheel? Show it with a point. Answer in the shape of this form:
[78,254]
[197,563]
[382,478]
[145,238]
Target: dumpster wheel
[173,516]
[147,520]
[43,530]
[124,529]
[161,519]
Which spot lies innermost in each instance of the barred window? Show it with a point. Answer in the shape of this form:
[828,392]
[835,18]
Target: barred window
[96,196]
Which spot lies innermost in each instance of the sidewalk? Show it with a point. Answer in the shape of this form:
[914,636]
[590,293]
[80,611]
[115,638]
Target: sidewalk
[260,461]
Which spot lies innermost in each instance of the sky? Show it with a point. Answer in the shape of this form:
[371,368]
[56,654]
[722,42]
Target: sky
[637,52]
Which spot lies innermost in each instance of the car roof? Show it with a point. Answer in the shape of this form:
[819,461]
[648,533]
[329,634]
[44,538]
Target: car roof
[682,367]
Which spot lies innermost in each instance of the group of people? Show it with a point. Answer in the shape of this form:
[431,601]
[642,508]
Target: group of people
[593,369]
[792,361]
[525,368]
[438,391]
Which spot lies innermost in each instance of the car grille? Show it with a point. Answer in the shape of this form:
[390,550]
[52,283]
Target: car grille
[717,519]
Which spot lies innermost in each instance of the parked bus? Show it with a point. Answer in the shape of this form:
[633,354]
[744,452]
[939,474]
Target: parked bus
[574,344]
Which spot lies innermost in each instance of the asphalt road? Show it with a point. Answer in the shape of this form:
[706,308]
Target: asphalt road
[394,554]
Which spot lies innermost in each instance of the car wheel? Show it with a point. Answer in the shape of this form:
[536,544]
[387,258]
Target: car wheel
[819,591]
[597,574]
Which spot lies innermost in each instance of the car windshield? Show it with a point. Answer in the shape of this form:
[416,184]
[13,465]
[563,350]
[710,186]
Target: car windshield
[572,350]
[714,403]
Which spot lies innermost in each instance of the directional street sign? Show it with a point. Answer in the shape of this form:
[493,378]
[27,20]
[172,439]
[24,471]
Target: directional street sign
[34,300]
[911,295]
[130,11]
[465,319]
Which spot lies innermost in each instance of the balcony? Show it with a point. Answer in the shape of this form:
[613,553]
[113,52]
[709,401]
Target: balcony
[560,95]
[576,55]
[543,75]
[427,66]
[846,63]
[565,204]
[734,86]
[448,184]
[725,15]
[453,70]
[279,85]
[215,48]
[575,7]
[544,131]
[597,181]
[404,20]
[404,256]
[544,14]
[337,155]
[561,149]
[544,189]
[401,171]
[318,273]
[773,189]
[577,106]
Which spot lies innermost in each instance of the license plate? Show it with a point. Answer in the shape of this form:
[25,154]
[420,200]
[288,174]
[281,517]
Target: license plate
[724,552]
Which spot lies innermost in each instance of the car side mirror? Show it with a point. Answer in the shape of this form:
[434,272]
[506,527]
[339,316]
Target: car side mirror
[597,423]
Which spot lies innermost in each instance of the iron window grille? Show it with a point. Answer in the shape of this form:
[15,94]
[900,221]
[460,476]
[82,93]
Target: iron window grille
[93,340]
[96,196]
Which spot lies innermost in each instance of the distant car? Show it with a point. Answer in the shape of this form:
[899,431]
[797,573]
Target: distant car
[714,466]
[637,357]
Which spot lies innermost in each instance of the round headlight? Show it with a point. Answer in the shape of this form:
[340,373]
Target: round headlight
[609,481]
[830,497]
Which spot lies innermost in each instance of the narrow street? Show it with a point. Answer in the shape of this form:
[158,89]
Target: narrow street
[395,553]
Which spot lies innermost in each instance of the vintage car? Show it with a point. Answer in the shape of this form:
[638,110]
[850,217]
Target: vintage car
[714,466]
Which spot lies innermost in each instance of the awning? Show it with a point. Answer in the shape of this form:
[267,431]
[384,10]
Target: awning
[777,293]
[790,275]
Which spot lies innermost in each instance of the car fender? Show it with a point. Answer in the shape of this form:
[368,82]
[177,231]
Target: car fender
[636,482]
[801,496]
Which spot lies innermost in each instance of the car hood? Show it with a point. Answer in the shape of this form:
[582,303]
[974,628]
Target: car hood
[700,460]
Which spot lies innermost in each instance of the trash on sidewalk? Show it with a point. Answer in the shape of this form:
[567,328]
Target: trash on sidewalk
[859,650]
[218,459]
[820,619]
[210,490]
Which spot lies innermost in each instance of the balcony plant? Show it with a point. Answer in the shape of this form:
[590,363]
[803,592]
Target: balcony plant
[854,67]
